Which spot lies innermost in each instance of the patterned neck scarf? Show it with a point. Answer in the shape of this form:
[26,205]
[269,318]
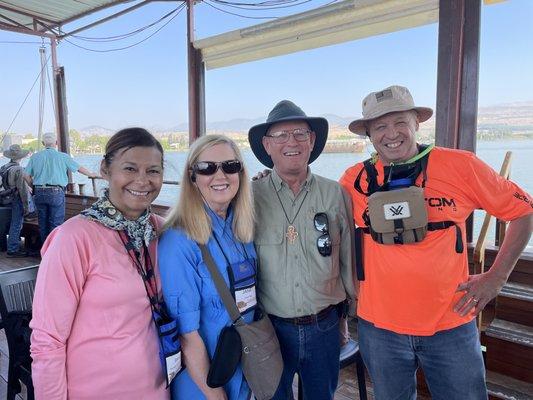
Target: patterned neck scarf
[141,231]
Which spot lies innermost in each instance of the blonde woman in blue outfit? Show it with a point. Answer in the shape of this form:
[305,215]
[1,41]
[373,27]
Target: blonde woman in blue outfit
[215,208]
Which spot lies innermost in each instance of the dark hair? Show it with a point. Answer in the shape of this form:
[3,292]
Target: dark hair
[128,138]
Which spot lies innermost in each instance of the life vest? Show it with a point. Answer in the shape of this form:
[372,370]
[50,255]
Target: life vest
[396,211]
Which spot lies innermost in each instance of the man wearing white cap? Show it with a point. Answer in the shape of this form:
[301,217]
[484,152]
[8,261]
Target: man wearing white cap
[47,171]
[16,189]
[417,302]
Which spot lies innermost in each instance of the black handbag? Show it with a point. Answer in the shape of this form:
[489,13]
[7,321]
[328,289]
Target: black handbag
[262,364]
[226,358]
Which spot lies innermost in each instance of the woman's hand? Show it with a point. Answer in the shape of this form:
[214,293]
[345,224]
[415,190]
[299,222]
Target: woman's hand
[216,394]
[197,360]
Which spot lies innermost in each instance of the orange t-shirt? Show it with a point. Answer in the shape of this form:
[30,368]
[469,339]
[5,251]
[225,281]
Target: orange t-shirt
[410,289]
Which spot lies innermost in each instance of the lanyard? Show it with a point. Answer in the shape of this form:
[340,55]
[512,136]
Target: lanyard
[245,255]
[146,270]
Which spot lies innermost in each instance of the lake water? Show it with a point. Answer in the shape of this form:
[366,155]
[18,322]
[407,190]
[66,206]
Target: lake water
[333,165]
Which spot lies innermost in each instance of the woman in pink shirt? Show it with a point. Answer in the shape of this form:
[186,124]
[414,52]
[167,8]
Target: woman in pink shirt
[93,335]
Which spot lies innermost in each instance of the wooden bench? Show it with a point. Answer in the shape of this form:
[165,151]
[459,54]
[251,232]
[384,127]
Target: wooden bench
[74,204]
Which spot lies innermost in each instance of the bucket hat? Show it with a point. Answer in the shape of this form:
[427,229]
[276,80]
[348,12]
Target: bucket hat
[286,110]
[391,99]
[15,152]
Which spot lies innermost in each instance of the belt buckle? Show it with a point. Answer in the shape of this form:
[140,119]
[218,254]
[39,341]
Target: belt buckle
[305,320]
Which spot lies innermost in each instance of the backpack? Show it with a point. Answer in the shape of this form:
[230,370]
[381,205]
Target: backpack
[6,192]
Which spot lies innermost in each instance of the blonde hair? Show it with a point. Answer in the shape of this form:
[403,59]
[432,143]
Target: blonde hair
[189,212]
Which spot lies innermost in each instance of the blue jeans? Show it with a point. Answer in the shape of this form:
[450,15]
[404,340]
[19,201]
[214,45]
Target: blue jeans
[50,204]
[17,218]
[451,361]
[312,351]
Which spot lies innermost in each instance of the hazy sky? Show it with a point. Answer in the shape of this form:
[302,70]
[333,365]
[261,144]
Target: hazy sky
[147,84]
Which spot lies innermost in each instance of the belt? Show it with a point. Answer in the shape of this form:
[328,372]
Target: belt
[48,186]
[307,319]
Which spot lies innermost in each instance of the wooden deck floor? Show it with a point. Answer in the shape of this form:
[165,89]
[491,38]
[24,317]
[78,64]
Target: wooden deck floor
[7,264]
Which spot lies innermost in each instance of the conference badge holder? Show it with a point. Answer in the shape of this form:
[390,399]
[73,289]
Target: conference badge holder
[169,344]
[242,284]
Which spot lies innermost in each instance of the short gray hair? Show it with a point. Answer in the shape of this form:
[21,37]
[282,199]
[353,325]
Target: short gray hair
[49,139]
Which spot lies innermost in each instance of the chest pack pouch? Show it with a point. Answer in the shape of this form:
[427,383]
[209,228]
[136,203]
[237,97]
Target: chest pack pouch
[397,214]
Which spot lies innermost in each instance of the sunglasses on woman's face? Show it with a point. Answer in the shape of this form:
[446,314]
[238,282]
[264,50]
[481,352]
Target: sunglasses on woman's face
[211,167]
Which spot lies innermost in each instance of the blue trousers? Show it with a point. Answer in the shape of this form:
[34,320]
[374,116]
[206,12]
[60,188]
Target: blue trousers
[17,219]
[312,351]
[451,360]
[50,204]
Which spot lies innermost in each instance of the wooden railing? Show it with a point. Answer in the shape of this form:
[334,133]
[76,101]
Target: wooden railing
[79,188]
[478,258]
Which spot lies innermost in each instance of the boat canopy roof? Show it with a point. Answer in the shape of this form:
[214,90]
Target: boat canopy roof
[40,17]
[336,23]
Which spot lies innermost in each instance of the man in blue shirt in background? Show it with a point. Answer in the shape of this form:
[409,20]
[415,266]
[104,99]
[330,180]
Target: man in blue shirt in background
[47,171]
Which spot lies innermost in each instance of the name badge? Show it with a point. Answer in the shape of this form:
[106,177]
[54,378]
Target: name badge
[242,284]
[245,299]
[173,366]
[169,343]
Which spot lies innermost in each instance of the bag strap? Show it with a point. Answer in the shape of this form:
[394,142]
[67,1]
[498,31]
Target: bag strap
[371,178]
[359,253]
[220,285]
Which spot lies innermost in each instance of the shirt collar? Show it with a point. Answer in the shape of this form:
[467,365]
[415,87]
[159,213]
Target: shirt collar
[218,224]
[279,183]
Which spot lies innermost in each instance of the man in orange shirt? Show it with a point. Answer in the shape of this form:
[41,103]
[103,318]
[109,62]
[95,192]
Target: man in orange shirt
[417,302]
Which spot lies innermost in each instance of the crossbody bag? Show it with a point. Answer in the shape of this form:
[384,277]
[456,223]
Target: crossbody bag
[261,359]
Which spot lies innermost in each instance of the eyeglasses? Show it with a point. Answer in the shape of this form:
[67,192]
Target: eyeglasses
[211,167]
[323,243]
[300,135]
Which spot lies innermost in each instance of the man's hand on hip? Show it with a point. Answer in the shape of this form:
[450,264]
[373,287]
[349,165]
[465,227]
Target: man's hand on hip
[479,290]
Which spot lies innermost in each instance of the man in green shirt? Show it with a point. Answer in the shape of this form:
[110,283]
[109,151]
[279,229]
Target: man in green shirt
[304,242]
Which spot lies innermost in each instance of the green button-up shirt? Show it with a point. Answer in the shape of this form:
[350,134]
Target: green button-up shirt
[294,279]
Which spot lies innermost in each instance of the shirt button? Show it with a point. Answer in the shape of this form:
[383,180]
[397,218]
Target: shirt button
[297,284]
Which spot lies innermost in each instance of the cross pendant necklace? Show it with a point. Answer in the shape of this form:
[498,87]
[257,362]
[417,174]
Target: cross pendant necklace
[292,233]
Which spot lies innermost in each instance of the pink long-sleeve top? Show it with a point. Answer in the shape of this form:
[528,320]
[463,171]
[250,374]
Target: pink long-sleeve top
[93,336]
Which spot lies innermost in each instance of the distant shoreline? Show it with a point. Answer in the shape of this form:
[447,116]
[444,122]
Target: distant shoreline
[246,146]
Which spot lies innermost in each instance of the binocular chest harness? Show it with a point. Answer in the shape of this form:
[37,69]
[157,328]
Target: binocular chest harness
[397,212]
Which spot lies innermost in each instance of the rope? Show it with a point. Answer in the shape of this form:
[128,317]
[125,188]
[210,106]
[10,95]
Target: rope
[24,101]
[42,95]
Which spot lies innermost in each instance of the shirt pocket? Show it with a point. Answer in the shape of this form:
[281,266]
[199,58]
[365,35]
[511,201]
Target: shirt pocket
[271,253]
[210,301]
[323,270]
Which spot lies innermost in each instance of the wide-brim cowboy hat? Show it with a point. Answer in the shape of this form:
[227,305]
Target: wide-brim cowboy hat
[15,152]
[388,100]
[286,110]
